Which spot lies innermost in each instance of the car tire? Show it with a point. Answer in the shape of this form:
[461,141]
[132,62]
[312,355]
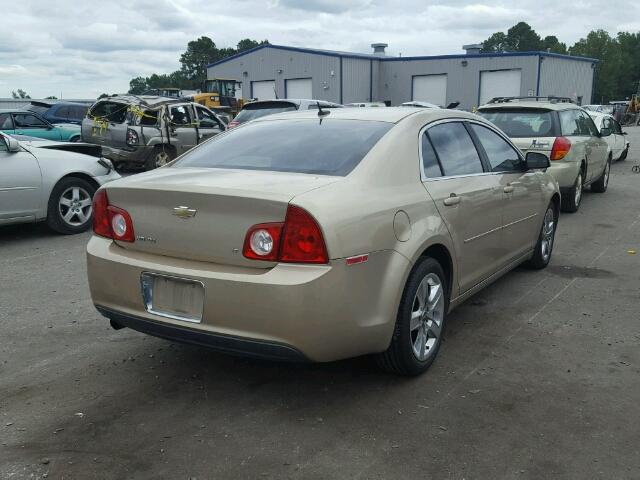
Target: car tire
[600,185]
[159,156]
[420,321]
[70,206]
[76,139]
[573,197]
[544,246]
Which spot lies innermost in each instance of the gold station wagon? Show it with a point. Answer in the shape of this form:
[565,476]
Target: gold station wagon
[321,235]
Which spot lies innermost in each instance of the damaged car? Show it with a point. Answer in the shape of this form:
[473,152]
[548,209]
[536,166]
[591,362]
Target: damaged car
[147,131]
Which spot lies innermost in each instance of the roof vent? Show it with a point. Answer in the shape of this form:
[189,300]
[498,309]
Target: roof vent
[473,48]
[378,48]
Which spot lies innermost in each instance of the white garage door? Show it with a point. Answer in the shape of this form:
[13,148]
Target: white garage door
[299,88]
[430,88]
[501,83]
[263,90]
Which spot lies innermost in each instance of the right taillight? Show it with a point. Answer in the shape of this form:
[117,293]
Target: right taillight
[297,240]
[561,147]
[110,221]
[232,124]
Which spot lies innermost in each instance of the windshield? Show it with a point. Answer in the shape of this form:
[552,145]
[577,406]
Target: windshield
[257,110]
[524,122]
[327,147]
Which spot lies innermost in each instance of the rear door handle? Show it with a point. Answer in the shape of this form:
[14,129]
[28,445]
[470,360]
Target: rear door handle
[452,200]
[509,189]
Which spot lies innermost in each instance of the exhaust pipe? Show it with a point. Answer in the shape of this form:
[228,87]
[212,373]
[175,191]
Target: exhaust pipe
[115,325]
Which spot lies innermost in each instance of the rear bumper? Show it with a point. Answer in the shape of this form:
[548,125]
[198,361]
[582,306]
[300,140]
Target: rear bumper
[564,172]
[222,343]
[133,155]
[322,312]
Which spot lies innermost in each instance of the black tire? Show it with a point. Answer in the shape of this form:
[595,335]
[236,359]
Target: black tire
[623,157]
[160,155]
[546,239]
[570,200]
[400,358]
[58,217]
[600,185]
[76,139]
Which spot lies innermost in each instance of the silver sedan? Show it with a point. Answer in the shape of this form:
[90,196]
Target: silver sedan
[50,181]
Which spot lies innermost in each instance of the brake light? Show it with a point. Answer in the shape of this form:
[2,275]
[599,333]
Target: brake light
[297,240]
[232,124]
[561,147]
[110,221]
[132,137]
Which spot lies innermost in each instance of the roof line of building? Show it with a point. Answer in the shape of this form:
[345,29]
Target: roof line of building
[330,53]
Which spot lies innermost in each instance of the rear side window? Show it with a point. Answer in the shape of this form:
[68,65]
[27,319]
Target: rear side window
[180,116]
[521,123]
[262,109]
[77,112]
[327,147]
[429,159]
[62,112]
[26,120]
[115,112]
[455,149]
[576,123]
[502,156]
[5,121]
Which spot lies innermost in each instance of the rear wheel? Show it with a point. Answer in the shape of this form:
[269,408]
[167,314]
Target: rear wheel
[542,253]
[159,156]
[572,198]
[600,185]
[70,210]
[420,322]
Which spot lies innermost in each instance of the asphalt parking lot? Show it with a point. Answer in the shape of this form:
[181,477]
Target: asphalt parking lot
[539,377]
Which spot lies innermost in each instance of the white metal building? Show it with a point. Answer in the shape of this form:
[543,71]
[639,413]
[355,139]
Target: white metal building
[271,71]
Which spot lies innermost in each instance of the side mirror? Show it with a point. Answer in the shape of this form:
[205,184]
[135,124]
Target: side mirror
[536,160]
[12,144]
[605,132]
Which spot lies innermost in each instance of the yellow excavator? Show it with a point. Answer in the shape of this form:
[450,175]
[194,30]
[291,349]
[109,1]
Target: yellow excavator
[219,94]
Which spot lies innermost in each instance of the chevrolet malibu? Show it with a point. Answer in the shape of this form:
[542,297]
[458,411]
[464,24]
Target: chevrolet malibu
[321,235]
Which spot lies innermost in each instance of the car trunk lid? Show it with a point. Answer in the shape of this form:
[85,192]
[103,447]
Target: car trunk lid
[203,213]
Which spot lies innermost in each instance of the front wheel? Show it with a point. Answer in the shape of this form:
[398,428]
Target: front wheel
[70,210]
[420,322]
[600,185]
[542,253]
[571,200]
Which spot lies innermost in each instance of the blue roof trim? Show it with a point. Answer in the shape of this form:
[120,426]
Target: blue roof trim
[330,53]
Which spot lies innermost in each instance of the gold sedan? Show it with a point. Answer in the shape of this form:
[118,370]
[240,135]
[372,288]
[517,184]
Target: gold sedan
[321,235]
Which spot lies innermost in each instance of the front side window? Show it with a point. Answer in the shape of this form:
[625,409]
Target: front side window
[180,116]
[27,120]
[327,147]
[206,118]
[455,149]
[616,127]
[502,156]
[5,121]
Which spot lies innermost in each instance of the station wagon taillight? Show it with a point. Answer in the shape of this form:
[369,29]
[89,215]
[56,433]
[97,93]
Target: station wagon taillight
[297,240]
[110,221]
[560,149]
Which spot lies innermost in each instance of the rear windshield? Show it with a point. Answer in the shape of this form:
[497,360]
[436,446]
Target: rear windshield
[262,109]
[327,147]
[38,108]
[112,111]
[521,122]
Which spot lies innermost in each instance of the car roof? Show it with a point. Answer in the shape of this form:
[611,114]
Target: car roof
[15,110]
[388,114]
[296,101]
[548,103]
[144,100]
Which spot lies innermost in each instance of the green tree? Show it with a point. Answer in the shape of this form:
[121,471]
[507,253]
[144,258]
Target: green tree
[599,44]
[248,44]
[199,54]
[103,95]
[522,38]
[138,85]
[552,44]
[19,94]
[51,97]
[629,76]
[495,43]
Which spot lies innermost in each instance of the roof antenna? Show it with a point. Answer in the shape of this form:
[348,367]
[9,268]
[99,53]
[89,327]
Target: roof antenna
[322,113]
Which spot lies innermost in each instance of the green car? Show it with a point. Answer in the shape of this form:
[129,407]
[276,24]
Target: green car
[23,122]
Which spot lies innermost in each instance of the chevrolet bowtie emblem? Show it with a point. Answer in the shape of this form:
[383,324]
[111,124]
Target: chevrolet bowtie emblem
[184,212]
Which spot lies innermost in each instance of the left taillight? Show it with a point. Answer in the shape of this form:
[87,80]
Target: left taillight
[132,137]
[110,221]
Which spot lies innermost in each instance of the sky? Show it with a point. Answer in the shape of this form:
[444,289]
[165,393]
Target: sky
[80,49]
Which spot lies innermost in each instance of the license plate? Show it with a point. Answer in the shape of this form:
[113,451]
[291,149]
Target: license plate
[173,297]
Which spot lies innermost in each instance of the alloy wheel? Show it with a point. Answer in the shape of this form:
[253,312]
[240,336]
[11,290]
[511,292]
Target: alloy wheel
[427,316]
[74,206]
[162,158]
[548,234]
[578,195]
[607,169]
